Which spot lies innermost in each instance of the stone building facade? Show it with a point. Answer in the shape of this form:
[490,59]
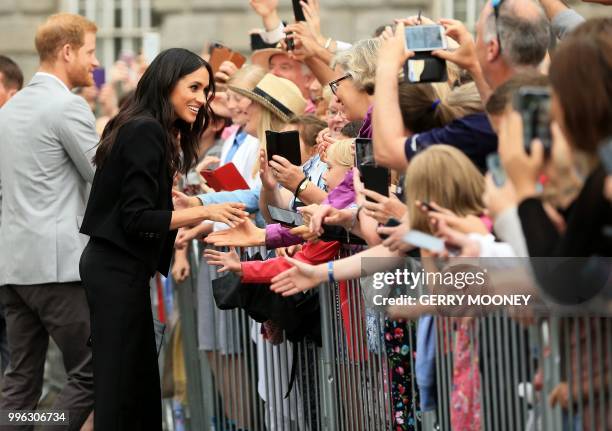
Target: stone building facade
[193,23]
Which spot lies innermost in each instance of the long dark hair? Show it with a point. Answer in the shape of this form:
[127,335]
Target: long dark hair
[585,56]
[152,99]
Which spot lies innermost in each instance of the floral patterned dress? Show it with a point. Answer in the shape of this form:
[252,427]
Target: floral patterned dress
[400,339]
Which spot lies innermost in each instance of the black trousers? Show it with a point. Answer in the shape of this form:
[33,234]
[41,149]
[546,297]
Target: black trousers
[33,314]
[127,393]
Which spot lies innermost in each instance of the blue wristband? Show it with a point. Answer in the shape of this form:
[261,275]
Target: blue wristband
[330,272]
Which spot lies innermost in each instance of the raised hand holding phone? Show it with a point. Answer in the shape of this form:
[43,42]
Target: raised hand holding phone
[286,174]
[521,168]
[465,55]
[425,38]
[392,52]
[394,236]
[265,172]
[533,104]
[312,16]
[496,198]
[382,208]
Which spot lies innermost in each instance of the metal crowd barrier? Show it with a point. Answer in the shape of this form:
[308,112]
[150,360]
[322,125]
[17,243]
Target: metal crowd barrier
[520,366]
[492,373]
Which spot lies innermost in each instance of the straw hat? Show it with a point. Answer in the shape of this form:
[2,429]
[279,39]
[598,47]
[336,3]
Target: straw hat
[261,57]
[279,95]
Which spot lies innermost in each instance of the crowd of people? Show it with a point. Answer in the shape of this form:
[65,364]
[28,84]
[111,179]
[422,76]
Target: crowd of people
[460,156]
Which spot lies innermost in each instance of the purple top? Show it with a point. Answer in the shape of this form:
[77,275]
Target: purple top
[366,128]
[340,197]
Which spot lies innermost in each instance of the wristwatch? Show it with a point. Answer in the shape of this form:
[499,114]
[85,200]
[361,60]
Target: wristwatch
[302,186]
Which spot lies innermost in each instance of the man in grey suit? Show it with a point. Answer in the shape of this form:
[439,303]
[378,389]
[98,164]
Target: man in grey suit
[47,140]
[11,81]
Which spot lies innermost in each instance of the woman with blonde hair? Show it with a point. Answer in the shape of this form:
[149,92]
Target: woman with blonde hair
[459,188]
[275,101]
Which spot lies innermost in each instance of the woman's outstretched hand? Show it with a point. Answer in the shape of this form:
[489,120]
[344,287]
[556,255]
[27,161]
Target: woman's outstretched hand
[246,234]
[300,278]
[228,261]
[231,214]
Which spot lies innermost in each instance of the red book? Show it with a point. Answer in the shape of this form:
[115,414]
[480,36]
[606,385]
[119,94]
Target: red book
[225,179]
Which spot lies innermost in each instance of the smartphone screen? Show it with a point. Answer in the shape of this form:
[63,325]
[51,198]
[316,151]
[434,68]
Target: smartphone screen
[425,38]
[285,217]
[364,152]
[285,144]
[423,240]
[375,178]
[428,206]
[497,170]
[393,222]
[605,153]
[533,103]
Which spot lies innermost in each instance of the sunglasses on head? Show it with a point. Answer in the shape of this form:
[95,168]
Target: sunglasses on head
[496,7]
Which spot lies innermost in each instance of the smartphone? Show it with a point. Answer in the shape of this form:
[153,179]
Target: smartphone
[497,170]
[285,144]
[364,152]
[220,53]
[393,222]
[425,68]
[298,13]
[375,178]
[533,103]
[214,45]
[290,42]
[425,38]
[605,153]
[99,76]
[423,240]
[428,206]
[285,217]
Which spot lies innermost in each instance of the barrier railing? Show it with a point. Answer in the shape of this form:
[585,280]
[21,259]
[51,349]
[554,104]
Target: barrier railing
[491,373]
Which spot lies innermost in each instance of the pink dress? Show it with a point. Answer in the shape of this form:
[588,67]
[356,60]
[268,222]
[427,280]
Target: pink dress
[465,395]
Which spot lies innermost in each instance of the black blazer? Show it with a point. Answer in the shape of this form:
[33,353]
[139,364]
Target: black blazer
[130,203]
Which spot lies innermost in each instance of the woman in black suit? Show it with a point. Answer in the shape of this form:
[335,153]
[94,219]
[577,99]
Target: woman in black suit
[132,228]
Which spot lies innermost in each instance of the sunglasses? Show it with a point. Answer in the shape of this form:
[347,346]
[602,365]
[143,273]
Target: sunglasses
[496,7]
[335,83]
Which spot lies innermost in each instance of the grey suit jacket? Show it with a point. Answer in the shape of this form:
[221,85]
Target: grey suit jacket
[47,140]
